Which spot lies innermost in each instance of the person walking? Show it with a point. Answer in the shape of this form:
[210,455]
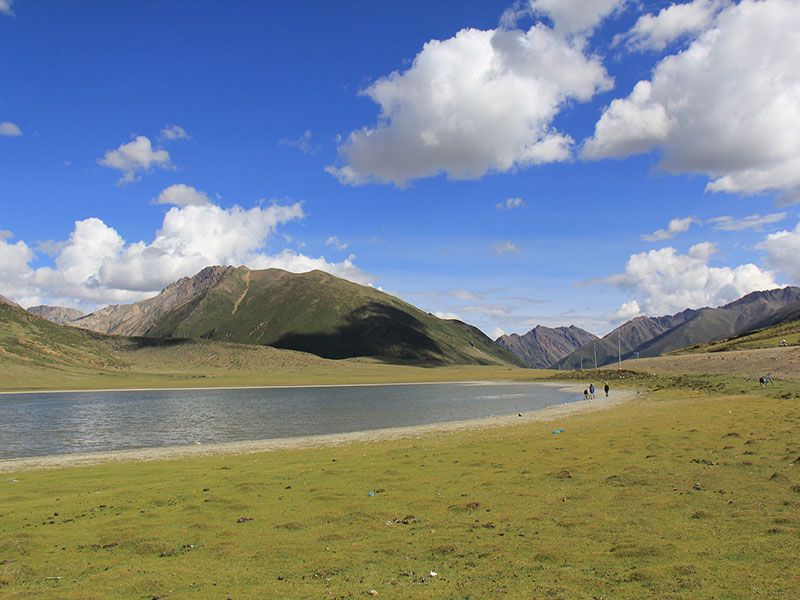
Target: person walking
[606,388]
[591,391]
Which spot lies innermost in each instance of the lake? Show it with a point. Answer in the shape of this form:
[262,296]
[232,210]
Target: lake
[58,423]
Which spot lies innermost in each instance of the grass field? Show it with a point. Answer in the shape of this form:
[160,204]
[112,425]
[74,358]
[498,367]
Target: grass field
[690,491]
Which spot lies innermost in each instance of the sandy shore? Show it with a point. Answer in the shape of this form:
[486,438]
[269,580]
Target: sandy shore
[551,413]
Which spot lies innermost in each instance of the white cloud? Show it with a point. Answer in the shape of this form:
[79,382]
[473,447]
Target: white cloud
[137,155]
[510,203]
[182,195]
[626,312]
[728,106]
[96,266]
[477,102]
[783,252]
[334,241]
[9,129]
[497,332]
[654,32]
[174,133]
[503,248]
[447,315]
[568,16]
[665,281]
[15,271]
[5,7]
[757,222]
[675,227]
[702,251]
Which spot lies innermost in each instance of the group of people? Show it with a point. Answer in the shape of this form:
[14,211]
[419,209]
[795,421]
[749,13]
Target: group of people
[588,393]
[765,379]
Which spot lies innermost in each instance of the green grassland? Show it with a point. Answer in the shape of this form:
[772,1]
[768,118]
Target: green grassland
[691,490]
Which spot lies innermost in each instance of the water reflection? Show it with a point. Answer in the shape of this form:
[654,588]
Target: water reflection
[41,424]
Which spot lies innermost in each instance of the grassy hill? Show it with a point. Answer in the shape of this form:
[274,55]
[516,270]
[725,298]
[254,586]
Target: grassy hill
[321,314]
[36,354]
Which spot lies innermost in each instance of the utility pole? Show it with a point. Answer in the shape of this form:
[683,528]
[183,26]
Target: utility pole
[619,352]
[594,348]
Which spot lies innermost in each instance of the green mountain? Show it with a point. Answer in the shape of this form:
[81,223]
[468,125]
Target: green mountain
[311,312]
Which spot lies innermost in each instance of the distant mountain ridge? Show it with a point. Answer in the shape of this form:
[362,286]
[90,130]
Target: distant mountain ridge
[543,346]
[311,312]
[57,314]
[652,336]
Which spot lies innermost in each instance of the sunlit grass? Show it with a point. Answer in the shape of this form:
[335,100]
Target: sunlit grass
[680,494]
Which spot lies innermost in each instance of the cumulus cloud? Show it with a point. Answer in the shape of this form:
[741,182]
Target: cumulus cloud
[568,16]
[174,133]
[9,129]
[504,248]
[665,281]
[626,312]
[497,332]
[477,102]
[5,7]
[134,156]
[182,195]
[300,263]
[757,222]
[783,252]
[655,32]
[675,227]
[15,272]
[720,107]
[510,203]
[96,266]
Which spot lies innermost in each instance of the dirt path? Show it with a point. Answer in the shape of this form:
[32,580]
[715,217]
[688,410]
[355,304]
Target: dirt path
[244,293]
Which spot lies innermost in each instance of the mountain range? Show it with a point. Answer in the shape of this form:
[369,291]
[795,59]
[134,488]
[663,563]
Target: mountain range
[651,336]
[312,312]
[330,317]
[544,346]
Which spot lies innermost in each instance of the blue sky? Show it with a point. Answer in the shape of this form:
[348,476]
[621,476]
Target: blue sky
[509,164]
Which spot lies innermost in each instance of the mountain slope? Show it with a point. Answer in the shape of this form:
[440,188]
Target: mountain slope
[784,315]
[57,314]
[543,346]
[654,336]
[135,319]
[311,312]
[742,315]
[30,340]
[623,341]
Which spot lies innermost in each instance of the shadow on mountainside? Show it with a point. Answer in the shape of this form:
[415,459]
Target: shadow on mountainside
[374,330]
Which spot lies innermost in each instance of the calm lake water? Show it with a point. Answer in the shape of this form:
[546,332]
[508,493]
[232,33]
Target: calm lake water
[58,423]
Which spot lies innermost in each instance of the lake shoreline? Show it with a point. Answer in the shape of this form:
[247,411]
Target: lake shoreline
[550,413]
[271,387]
